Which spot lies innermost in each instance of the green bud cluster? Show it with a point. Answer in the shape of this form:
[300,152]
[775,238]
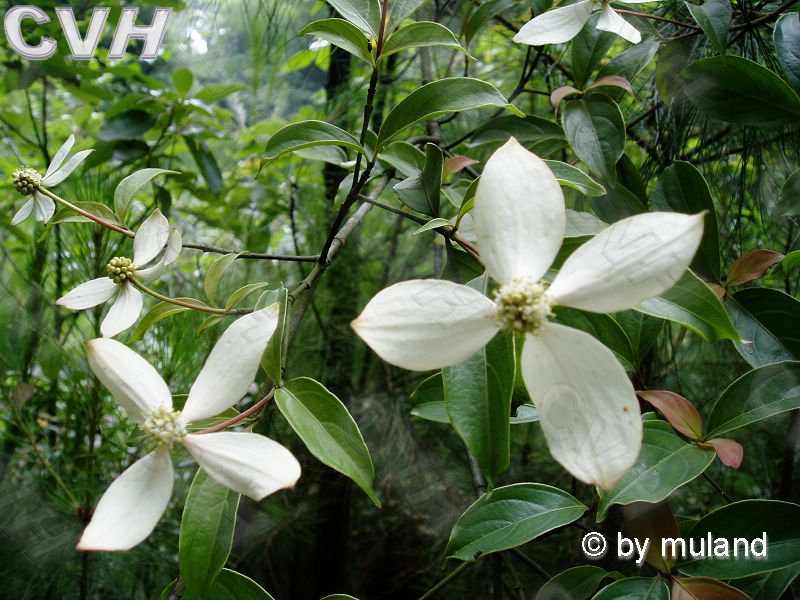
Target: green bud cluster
[165,426]
[523,305]
[26,180]
[120,269]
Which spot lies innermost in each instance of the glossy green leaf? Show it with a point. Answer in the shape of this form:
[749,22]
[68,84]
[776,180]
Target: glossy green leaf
[478,396]
[130,186]
[573,177]
[364,14]
[682,188]
[230,585]
[510,516]
[182,80]
[418,35]
[206,162]
[671,59]
[602,327]
[67,215]
[634,588]
[738,90]
[422,192]
[693,304]
[595,129]
[441,97]
[631,61]
[748,519]
[714,18]
[129,125]
[432,411]
[429,401]
[308,133]
[160,311]
[786,36]
[769,586]
[482,15]
[539,135]
[756,395]
[273,360]
[406,159]
[343,34]
[207,525]
[588,48]
[215,273]
[642,331]
[400,10]
[243,292]
[769,323]
[666,462]
[327,430]
[577,583]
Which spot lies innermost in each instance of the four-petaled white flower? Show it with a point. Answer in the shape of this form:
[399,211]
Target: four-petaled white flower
[564,23]
[27,181]
[152,237]
[247,463]
[587,405]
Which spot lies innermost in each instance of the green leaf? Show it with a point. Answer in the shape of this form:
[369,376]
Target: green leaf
[769,323]
[182,79]
[214,274]
[406,159]
[539,135]
[214,92]
[308,133]
[510,516]
[482,15]
[343,34]
[423,192]
[769,586]
[787,44]
[243,292]
[573,177]
[748,519]
[789,205]
[666,462]
[207,525]
[756,395]
[588,48]
[230,585]
[595,129]
[272,361]
[441,97]
[577,583]
[400,10]
[682,188]
[478,396]
[630,62]
[67,215]
[327,430]
[672,58]
[642,331]
[714,18]
[364,14]
[634,588]
[130,186]
[460,266]
[602,327]
[429,402]
[206,162]
[433,224]
[418,35]
[160,311]
[432,411]
[693,304]
[129,125]
[738,90]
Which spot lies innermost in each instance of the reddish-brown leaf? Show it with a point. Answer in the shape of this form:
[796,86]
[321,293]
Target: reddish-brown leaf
[752,266]
[653,522]
[705,588]
[558,94]
[680,413]
[612,81]
[730,452]
[457,163]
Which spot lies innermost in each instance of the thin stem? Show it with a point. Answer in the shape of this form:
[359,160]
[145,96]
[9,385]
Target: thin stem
[718,487]
[634,13]
[254,255]
[241,416]
[86,214]
[185,304]
[452,575]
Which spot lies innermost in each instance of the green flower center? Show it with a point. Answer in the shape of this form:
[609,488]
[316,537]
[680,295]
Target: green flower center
[165,426]
[120,269]
[523,305]
[26,180]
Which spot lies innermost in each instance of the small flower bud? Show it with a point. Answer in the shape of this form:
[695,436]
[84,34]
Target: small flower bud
[120,269]
[26,180]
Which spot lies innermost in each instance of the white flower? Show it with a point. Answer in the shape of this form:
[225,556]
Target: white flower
[247,463]
[153,236]
[27,180]
[587,405]
[562,24]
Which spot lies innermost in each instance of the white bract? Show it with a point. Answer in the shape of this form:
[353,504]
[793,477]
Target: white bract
[564,23]
[247,463]
[587,405]
[153,236]
[27,181]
